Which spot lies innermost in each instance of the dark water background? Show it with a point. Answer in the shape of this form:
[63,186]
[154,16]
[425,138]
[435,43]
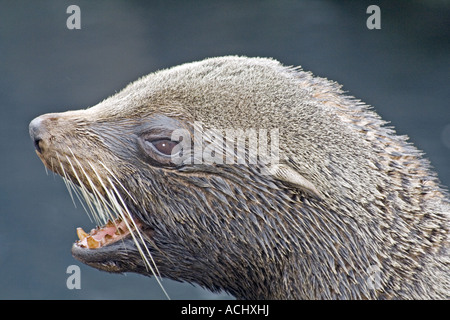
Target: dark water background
[403,70]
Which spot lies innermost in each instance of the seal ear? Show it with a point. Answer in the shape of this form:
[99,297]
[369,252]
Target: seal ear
[290,176]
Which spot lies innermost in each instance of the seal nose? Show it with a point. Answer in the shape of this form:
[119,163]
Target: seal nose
[36,129]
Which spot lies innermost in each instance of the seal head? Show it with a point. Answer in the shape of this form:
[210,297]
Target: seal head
[340,208]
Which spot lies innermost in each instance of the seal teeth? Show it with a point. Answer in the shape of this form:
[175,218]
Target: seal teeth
[81,233]
[110,224]
[120,230]
[104,235]
[92,243]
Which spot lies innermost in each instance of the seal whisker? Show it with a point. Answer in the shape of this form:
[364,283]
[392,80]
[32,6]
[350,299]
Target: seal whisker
[51,164]
[97,198]
[110,205]
[71,186]
[126,217]
[117,180]
[122,210]
[124,206]
[87,197]
[78,193]
[65,179]
[103,209]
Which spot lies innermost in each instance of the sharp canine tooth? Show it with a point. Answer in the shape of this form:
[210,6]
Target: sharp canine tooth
[81,234]
[92,243]
[110,224]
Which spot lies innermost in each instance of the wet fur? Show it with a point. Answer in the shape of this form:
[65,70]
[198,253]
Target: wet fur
[376,202]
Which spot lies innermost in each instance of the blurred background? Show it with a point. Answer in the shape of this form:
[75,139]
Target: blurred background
[403,70]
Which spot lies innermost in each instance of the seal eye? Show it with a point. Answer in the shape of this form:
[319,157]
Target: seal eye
[160,151]
[164,146]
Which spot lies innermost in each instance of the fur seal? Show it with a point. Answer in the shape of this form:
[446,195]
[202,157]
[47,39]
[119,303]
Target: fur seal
[349,210]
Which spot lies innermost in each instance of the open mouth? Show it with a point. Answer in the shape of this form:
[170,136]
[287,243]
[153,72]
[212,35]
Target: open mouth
[114,246]
[111,232]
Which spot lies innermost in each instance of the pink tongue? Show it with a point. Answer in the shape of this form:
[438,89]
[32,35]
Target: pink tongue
[97,237]
[103,232]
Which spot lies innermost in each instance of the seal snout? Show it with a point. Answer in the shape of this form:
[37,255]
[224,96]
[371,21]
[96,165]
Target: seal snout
[39,130]
[36,132]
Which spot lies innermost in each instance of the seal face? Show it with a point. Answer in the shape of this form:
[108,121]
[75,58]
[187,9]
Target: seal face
[325,202]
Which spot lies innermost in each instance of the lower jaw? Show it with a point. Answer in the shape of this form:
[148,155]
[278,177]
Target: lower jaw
[111,246]
[106,258]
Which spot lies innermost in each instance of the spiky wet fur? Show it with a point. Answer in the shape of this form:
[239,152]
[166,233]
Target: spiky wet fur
[229,227]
